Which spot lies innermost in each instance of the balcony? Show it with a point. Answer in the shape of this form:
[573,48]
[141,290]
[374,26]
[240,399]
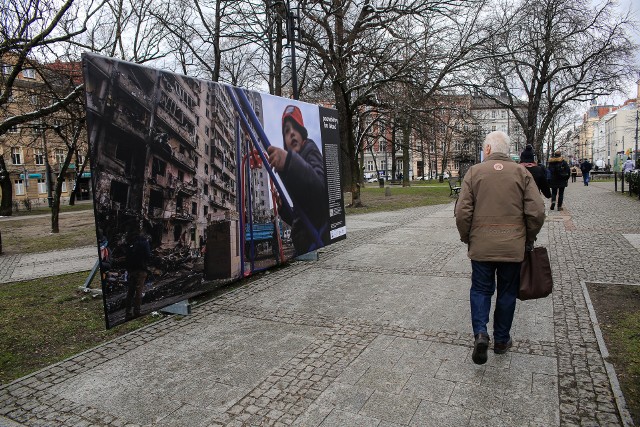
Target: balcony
[156,213]
[136,93]
[185,160]
[129,122]
[186,188]
[176,126]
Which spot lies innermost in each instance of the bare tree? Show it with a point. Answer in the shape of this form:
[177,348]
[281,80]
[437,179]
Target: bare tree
[31,32]
[360,49]
[550,53]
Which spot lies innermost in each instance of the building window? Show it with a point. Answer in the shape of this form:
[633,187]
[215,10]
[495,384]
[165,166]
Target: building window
[369,165]
[16,155]
[39,157]
[158,167]
[493,114]
[206,169]
[503,114]
[42,186]
[29,73]
[205,189]
[13,129]
[33,99]
[19,187]
[6,69]
[493,128]
[59,153]
[194,208]
[206,210]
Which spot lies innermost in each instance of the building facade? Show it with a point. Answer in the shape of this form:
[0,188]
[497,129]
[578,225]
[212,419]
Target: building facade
[35,153]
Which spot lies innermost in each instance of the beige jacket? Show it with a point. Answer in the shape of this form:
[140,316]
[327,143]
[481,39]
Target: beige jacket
[499,210]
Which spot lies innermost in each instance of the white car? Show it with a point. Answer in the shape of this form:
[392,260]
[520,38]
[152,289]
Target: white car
[374,179]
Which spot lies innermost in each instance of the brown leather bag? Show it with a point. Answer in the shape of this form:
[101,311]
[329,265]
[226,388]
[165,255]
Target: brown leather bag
[536,280]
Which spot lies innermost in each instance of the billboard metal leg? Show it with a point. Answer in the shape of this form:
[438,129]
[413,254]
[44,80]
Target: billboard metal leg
[183,308]
[87,282]
[309,256]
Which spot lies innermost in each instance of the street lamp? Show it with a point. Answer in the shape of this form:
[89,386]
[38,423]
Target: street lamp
[291,20]
[42,128]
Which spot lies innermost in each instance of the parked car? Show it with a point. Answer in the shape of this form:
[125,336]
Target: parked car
[374,179]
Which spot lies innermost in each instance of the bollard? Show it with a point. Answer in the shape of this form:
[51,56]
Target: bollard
[0,242]
[615,182]
[387,191]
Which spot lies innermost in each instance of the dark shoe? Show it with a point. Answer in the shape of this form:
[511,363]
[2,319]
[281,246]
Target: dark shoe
[560,208]
[502,347]
[480,346]
[553,206]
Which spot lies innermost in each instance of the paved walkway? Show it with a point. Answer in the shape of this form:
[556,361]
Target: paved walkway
[18,267]
[375,333]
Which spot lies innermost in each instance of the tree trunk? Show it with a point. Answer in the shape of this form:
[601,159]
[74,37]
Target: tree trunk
[405,152]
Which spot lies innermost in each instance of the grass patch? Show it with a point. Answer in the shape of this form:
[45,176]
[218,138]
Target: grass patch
[33,234]
[419,194]
[617,308]
[43,208]
[46,320]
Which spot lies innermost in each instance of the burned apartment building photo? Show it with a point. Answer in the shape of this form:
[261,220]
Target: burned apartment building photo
[170,164]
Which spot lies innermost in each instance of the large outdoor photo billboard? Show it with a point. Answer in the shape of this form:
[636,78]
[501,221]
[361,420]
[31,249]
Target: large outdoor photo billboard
[197,184]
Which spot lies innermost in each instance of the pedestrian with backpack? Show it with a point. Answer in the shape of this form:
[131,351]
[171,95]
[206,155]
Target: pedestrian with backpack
[559,173]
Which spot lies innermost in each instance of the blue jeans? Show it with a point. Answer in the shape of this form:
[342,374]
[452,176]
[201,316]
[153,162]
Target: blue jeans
[483,285]
[585,177]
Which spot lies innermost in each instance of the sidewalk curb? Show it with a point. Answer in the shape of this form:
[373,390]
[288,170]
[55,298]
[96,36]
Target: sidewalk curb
[621,403]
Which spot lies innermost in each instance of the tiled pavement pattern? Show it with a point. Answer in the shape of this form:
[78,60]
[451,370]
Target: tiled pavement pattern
[14,268]
[375,333]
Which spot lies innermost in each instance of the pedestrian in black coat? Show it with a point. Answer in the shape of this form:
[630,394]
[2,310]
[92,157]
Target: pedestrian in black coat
[559,173]
[538,172]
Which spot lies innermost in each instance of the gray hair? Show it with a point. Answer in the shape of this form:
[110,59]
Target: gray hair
[499,142]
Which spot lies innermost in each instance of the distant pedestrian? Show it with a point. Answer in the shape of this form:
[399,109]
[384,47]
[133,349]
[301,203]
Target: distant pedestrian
[275,240]
[628,166]
[499,213]
[586,167]
[559,173]
[137,256]
[574,173]
[538,172]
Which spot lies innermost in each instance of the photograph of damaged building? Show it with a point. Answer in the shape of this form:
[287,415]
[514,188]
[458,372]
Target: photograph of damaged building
[167,164]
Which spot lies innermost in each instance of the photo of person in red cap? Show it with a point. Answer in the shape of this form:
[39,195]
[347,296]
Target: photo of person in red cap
[300,166]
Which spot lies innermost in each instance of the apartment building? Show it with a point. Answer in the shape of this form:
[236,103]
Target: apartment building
[448,140]
[34,153]
[165,147]
[490,116]
[607,134]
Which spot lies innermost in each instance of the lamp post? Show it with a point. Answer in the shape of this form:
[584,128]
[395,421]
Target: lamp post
[636,153]
[41,127]
[291,39]
[290,21]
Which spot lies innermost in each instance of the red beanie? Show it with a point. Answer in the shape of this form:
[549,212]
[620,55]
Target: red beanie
[294,113]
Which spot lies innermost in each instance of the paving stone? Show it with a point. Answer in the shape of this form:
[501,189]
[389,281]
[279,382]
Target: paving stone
[376,332]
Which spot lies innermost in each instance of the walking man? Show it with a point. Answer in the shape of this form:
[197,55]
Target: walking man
[586,167]
[498,213]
